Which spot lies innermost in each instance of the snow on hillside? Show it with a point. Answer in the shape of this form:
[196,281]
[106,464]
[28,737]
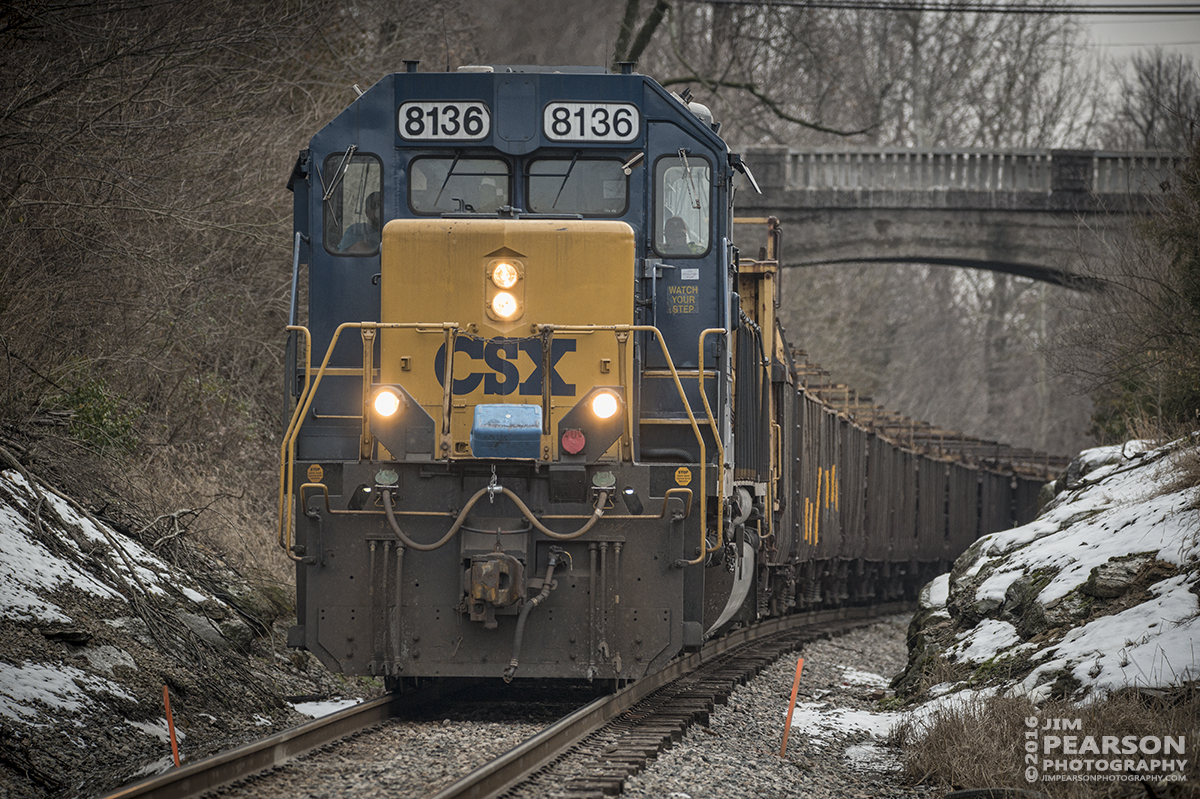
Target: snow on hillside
[1098,593]
[93,625]
[1101,592]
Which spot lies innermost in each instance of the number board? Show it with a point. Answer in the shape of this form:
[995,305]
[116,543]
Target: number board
[602,122]
[455,121]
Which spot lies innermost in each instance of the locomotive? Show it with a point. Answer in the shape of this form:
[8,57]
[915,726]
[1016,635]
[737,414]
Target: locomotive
[545,423]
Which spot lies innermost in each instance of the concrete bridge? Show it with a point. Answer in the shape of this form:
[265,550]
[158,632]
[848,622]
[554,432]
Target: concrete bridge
[1025,212]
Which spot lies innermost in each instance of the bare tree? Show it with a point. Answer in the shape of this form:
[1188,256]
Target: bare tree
[788,74]
[1135,344]
[144,147]
[1159,105]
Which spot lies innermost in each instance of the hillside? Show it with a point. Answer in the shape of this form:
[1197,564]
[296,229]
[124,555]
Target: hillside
[1098,593]
[94,623]
[1064,655]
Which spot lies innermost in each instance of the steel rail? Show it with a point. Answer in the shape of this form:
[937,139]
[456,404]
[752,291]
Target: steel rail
[511,768]
[194,779]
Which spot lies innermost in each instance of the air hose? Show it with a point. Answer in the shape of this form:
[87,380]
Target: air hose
[555,554]
[389,511]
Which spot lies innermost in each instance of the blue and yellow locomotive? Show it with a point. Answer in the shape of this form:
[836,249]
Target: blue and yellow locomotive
[544,423]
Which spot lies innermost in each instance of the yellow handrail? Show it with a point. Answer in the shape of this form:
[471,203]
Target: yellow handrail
[686,406]
[451,330]
[304,401]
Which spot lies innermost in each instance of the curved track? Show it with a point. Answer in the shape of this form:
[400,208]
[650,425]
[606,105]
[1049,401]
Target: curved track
[593,748]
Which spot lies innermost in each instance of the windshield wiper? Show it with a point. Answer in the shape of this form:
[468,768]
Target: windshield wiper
[338,174]
[566,177]
[449,172]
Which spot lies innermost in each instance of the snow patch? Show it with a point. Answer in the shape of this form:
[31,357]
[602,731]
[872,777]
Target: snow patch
[985,640]
[26,687]
[158,729]
[818,722]
[319,709]
[935,594]
[852,676]
[1154,643]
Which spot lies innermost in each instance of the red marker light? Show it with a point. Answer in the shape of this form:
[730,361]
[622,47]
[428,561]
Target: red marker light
[573,441]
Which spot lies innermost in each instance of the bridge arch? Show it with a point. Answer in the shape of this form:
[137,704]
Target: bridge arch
[1057,277]
[1031,213]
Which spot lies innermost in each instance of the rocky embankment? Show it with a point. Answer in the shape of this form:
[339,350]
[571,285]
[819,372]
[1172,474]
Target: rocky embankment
[1099,593]
[93,624]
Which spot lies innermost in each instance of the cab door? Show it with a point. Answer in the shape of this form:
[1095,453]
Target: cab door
[683,275]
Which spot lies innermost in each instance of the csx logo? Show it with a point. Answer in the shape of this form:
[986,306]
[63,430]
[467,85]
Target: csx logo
[500,372]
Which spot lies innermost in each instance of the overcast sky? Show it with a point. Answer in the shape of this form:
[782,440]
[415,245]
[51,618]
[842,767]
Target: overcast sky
[1121,36]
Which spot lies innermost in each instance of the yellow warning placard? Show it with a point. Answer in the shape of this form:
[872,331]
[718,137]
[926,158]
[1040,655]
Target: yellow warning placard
[315,473]
[683,476]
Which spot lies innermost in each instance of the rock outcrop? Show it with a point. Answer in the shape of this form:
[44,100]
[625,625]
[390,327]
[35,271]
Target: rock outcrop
[1096,594]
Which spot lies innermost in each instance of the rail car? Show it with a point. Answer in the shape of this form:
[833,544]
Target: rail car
[544,419]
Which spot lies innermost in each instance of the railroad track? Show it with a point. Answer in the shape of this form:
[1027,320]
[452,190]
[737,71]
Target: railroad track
[588,753]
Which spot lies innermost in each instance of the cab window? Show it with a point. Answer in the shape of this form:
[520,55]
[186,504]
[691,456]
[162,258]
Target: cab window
[441,185]
[590,187]
[353,214]
[682,209]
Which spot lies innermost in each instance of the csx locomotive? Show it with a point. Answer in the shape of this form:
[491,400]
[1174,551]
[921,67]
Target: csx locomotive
[545,421]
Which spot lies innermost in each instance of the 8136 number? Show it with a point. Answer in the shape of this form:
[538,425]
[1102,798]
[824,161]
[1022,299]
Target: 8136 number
[608,122]
[424,121]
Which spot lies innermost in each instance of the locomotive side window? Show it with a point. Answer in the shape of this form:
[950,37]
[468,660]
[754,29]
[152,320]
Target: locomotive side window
[682,209]
[440,185]
[353,214]
[578,186]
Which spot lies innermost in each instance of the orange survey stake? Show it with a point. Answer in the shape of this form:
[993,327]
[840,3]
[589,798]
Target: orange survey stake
[792,705]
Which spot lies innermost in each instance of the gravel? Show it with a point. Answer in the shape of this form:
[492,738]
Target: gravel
[737,755]
[397,759]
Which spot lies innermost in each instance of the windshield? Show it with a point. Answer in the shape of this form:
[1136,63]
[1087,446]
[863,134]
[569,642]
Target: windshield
[682,211]
[576,185]
[437,185]
[353,214]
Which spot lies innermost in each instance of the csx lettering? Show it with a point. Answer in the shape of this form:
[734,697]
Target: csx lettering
[501,374]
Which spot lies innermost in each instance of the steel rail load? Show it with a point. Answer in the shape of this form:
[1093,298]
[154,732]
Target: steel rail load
[544,421]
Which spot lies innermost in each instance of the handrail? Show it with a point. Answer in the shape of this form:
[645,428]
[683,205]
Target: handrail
[286,463]
[716,437]
[686,406]
[304,402]
[293,304]
[451,331]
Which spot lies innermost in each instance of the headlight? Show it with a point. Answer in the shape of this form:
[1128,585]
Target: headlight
[504,305]
[387,402]
[505,275]
[604,405]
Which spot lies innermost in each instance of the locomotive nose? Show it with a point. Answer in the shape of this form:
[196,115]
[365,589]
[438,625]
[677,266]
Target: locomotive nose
[504,282]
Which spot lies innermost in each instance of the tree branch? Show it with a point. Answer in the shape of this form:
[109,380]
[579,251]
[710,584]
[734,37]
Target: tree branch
[713,83]
[646,33]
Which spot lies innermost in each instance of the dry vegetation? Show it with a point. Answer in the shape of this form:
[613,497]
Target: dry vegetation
[144,148]
[982,742]
[1134,346]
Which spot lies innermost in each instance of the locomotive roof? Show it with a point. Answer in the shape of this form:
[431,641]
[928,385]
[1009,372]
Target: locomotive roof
[375,110]
[562,69]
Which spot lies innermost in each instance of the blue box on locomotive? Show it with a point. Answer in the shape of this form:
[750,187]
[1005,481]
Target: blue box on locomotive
[507,431]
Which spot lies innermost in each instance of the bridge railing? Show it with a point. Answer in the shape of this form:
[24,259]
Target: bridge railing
[1037,171]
